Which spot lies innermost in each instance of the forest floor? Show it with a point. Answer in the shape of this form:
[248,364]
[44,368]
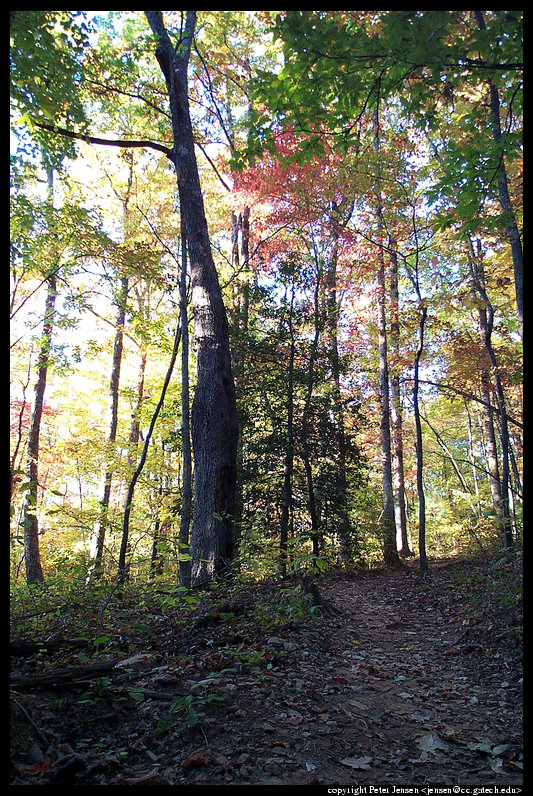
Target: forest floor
[401,680]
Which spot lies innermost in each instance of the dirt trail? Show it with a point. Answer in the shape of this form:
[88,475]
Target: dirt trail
[395,685]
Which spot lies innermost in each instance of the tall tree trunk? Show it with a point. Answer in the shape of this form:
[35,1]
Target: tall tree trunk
[240,225]
[422,315]
[286,494]
[332,328]
[135,434]
[306,419]
[388,525]
[135,427]
[162,522]
[402,542]
[471,452]
[122,567]
[184,565]
[99,528]
[513,233]
[423,562]
[486,316]
[214,417]
[490,443]
[32,557]
[240,262]
[515,442]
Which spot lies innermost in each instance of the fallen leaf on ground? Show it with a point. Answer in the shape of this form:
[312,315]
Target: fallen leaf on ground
[357,762]
[358,705]
[200,757]
[431,743]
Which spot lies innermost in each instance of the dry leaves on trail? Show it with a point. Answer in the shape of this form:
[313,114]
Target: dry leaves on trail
[367,692]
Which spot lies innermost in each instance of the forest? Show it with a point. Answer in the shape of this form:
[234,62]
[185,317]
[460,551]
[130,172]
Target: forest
[266,428]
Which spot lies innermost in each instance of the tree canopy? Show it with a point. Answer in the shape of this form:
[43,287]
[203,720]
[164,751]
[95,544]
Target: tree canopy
[344,238]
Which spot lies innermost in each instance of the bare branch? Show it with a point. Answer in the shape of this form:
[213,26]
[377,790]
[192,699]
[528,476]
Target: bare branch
[91,139]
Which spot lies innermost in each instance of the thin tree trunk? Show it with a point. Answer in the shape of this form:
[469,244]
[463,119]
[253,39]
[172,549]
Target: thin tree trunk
[402,542]
[388,525]
[347,542]
[449,454]
[419,448]
[135,428]
[122,568]
[32,557]
[515,443]
[156,564]
[240,316]
[473,460]
[241,307]
[306,429]
[313,514]
[214,417]
[286,494]
[99,528]
[15,466]
[486,315]
[490,444]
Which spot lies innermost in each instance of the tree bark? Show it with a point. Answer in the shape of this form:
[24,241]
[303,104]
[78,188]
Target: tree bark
[388,525]
[402,542]
[213,418]
[184,564]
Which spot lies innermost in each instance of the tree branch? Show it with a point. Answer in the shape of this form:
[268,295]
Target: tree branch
[467,395]
[91,139]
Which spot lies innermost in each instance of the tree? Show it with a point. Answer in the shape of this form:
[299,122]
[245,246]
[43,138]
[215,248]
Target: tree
[402,543]
[186,502]
[351,262]
[513,233]
[213,419]
[99,530]
[42,43]
[486,315]
[388,520]
[32,559]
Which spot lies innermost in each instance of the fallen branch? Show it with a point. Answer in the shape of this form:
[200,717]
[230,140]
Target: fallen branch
[62,676]
[27,715]
[22,649]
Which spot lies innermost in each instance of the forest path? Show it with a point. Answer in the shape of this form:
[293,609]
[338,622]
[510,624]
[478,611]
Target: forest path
[424,704]
[401,683]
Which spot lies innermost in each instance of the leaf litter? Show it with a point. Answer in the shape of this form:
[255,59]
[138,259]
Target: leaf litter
[266,694]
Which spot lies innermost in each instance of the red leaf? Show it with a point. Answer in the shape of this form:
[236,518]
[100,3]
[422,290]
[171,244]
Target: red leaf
[39,767]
